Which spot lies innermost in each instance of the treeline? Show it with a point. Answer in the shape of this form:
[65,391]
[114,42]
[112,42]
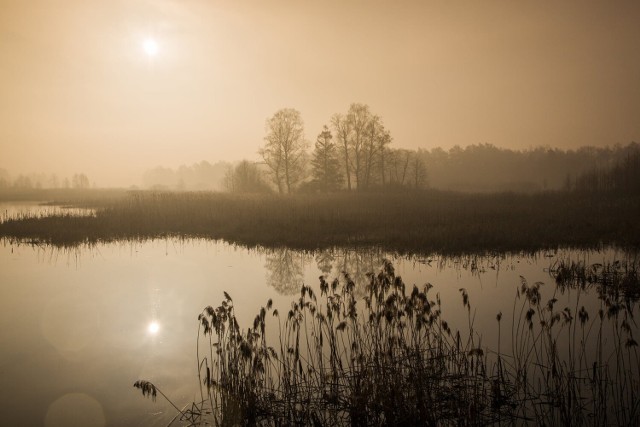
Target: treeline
[624,176]
[43,180]
[200,176]
[354,152]
[475,168]
[485,168]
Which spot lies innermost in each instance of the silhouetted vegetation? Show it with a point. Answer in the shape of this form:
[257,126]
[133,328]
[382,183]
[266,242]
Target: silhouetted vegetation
[38,181]
[361,159]
[245,177]
[284,150]
[326,163]
[397,361]
[421,222]
[487,168]
[475,168]
[622,177]
[619,281]
[364,144]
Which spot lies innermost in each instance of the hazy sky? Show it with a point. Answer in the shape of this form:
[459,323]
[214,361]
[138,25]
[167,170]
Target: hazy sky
[79,93]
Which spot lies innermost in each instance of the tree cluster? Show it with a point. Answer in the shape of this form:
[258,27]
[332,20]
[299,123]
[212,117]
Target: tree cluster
[353,154]
[622,177]
[245,177]
[487,168]
[284,149]
[43,180]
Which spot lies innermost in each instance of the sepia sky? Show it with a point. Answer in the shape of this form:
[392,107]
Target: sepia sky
[78,93]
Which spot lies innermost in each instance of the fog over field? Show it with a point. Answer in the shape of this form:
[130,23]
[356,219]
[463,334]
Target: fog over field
[114,89]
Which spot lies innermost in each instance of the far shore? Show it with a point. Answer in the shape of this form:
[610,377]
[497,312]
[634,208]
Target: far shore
[407,222]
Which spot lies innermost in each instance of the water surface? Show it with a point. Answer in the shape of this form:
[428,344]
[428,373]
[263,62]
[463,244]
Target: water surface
[79,326]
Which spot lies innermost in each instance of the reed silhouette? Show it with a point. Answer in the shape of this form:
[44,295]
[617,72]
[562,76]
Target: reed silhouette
[391,358]
[411,222]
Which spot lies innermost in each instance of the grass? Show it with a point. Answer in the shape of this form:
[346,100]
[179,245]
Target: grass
[390,358]
[422,222]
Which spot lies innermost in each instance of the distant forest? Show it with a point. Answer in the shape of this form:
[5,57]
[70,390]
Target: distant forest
[486,168]
[202,176]
[44,180]
[476,168]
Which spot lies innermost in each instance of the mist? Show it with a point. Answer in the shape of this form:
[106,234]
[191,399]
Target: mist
[81,94]
[327,213]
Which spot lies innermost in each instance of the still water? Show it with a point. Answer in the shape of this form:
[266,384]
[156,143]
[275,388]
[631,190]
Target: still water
[10,210]
[79,326]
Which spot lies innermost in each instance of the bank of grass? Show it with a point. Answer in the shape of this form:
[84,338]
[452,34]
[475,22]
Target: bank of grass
[429,221]
[391,359]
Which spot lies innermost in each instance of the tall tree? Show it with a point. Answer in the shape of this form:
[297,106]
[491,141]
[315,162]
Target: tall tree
[418,171]
[399,160]
[342,128]
[384,140]
[359,118]
[326,167]
[363,142]
[285,148]
[374,149]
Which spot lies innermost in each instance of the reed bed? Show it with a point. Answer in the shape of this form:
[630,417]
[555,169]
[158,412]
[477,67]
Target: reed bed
[419,222]
[390,359]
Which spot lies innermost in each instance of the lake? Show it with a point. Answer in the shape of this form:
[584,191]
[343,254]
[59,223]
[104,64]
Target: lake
[78,326]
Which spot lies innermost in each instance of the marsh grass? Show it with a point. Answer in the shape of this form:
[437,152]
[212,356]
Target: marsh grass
[391,358]
[418,222]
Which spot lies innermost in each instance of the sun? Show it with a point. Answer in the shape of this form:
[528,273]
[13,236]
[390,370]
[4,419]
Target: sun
[153,328]
[150,47]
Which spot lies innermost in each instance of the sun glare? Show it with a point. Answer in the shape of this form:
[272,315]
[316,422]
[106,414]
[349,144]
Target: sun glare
[150,47]
[153,328]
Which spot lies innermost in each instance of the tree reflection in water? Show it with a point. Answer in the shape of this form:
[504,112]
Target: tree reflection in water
[324,260]
[284,269]
[358,263]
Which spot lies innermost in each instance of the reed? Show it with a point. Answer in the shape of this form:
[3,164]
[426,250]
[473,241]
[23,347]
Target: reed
[421,222]
[389,357]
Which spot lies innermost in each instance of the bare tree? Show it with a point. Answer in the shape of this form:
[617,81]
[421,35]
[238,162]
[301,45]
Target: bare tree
[418,171]
[359,117]
[284,150]
[373,152]
[363,141]
[383,141]
[342,129]
[399,165]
